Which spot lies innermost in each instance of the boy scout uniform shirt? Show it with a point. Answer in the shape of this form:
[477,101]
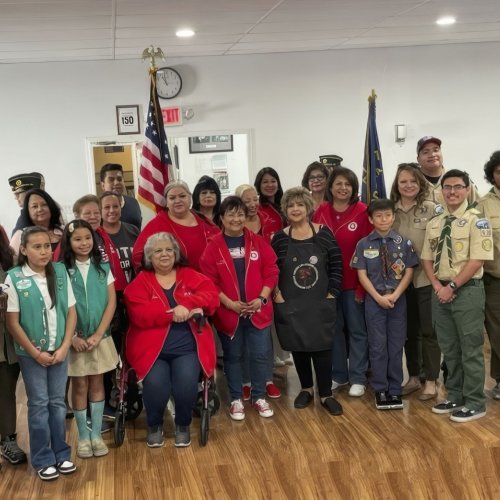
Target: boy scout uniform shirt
[411,225]
[470,240]
[489,205]
[368,256]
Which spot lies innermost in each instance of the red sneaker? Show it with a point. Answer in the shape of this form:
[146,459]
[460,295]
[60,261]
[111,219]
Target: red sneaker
[272,391]
[247,390]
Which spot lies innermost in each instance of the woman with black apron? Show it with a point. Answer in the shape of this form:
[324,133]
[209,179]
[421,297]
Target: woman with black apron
[310,278]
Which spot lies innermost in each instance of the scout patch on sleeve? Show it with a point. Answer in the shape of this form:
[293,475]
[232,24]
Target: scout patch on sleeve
[459,246]
[438,209]
[486,233]
[433,242]
[482,224]
[487,245]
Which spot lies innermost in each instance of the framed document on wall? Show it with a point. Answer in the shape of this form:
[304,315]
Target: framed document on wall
[210,143]
[127,119]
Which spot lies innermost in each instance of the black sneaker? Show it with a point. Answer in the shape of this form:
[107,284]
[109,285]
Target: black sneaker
[48,473]
[445,407]
[66,467]
[395,402]
[11,451]
[381,401]
[466,415]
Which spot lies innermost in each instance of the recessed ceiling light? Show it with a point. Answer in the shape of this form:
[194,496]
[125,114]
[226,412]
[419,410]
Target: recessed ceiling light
[184,33]
[443,21]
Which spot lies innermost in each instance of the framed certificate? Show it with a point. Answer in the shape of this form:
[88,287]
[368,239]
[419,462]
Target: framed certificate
[127,119]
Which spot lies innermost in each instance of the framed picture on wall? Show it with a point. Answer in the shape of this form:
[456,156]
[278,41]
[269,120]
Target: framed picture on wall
[210,143]
[127,119]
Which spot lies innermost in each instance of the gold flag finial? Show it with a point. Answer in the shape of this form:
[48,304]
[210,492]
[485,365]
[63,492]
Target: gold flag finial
[372,97]
[152,54]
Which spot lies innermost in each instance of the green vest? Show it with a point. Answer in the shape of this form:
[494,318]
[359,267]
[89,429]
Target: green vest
[91,300]
[33,316]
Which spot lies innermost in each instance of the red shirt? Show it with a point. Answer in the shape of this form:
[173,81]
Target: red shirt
[348,228]
[192,239]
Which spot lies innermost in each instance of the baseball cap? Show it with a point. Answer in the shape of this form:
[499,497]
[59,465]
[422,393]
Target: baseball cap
[425,140]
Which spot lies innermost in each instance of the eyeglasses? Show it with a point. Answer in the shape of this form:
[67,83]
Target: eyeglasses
[457,187]
[316,178]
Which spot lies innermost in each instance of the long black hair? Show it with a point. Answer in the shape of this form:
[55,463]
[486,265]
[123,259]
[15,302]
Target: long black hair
[279,194]
[50,274]
[207,183]
[55,210]
[67,254]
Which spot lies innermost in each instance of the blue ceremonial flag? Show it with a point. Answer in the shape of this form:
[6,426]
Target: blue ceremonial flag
[373,185]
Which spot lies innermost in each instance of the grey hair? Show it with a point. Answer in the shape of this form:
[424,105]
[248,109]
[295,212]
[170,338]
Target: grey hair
[174,184]
[150,243]
[297,194]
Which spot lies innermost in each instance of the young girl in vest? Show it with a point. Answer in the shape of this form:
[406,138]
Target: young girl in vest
[93,352]
[41,317]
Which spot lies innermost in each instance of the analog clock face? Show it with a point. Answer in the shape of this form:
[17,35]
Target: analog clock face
[168,83]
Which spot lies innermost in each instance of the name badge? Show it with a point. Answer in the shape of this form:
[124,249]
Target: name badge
[371,253]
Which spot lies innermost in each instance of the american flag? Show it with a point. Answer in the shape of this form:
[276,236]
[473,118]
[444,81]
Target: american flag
[156,162]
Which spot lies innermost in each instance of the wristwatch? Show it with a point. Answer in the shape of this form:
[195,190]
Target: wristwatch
[263,300]
[453,285]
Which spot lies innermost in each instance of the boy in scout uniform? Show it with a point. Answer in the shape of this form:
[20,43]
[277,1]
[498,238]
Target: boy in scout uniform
[385,263]
[489,205]
[456,244]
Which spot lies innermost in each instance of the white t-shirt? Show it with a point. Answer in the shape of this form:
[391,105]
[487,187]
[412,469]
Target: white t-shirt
[41,283]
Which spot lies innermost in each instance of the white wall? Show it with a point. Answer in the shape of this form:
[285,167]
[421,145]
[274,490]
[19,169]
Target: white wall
[297,106]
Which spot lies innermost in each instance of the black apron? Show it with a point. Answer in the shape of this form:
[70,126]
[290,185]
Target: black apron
[306,320]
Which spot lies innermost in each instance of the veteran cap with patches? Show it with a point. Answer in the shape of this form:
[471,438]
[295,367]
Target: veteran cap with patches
[331,160]
[25,182]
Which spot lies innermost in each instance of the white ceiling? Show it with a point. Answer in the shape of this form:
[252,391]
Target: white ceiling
[69,30]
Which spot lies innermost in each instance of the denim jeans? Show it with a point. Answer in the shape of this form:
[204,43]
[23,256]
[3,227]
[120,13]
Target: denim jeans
[257,343]
[351,318]
[176,375]
[45,388]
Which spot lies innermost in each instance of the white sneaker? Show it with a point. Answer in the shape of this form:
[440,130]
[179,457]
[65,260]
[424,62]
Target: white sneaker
[237,410]
[357,390]
[336,385]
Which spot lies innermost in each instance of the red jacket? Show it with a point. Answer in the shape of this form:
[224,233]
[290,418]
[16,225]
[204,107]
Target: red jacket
[149,319]
[274,218]
[260,270]
[192,250]
[269,226]
[348,229]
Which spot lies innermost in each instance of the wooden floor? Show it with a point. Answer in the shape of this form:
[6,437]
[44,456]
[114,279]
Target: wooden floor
[364,454]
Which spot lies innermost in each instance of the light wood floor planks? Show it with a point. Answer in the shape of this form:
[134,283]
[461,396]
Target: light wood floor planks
[364,454]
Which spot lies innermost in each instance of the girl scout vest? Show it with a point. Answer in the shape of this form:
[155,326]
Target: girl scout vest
[33,313]
[91,301]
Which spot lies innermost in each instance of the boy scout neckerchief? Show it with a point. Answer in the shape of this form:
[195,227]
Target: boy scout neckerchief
[445,237]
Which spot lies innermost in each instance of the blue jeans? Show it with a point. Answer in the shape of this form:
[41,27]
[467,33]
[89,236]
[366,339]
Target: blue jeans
[257,343]
[351,318]
[171,374]
[45,388]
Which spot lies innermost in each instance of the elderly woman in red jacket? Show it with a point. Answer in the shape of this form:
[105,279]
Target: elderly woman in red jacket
[163,344]
[243,267]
